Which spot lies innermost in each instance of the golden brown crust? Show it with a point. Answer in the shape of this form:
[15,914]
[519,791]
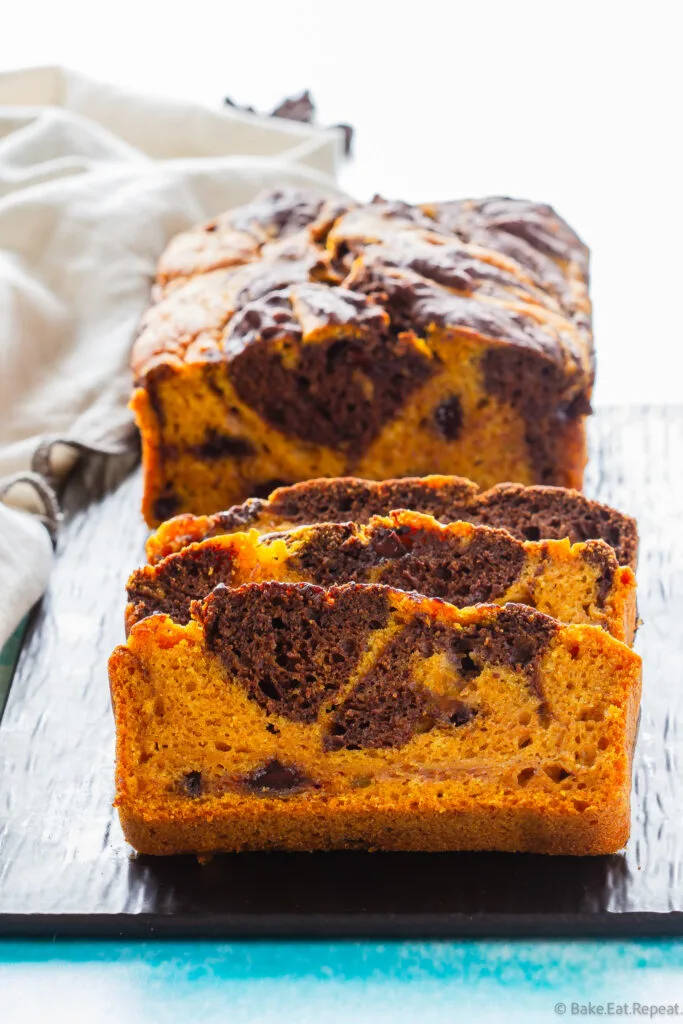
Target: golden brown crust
[433,831]
[286,237]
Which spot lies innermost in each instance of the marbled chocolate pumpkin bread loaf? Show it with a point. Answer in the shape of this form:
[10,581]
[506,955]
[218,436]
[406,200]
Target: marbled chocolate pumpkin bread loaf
[528,513]
[289,716]
[298,337]
[459,563]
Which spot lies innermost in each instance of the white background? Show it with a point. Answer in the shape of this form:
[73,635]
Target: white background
[577,103]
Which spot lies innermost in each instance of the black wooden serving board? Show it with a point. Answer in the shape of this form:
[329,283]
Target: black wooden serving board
[65,868]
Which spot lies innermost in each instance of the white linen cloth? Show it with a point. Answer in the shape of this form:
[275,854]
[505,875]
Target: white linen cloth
[94,181]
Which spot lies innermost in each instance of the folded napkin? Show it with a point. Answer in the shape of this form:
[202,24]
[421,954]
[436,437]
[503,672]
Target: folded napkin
[94,181]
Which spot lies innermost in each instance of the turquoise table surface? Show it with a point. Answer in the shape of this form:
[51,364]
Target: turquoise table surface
[310,983]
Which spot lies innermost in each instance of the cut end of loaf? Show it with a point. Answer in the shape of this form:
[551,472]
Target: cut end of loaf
[290,716]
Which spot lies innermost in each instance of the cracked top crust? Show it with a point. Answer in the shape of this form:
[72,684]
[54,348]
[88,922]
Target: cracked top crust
[297,266]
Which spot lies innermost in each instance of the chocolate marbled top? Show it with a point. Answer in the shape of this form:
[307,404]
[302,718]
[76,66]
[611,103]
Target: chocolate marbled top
[505,269]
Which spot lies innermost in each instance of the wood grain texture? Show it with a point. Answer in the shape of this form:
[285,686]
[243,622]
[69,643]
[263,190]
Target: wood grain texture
[65,868]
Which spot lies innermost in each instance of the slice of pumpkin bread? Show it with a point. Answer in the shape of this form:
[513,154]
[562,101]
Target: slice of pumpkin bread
[296,717]
[528,513]
[460,563]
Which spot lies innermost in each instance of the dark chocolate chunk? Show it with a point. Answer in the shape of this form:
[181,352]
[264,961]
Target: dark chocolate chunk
[448,418]
[192,783]
[167,504]
[388,544]
[276,779]
[460,713]
[219,446]
[291,646]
